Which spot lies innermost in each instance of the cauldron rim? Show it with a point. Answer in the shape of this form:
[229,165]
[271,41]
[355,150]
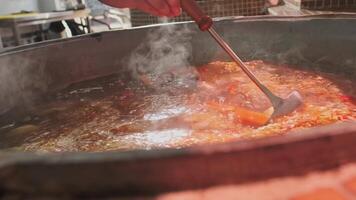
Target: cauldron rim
[302,151]
[339,15]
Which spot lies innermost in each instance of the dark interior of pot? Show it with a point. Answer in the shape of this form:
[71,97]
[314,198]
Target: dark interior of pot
[155,98]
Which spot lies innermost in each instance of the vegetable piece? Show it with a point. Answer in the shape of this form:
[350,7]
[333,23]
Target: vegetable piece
[249,117]
[232,89]
[146,80]
[242,115]
[348,98]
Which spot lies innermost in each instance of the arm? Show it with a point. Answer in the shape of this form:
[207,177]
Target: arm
[169,8]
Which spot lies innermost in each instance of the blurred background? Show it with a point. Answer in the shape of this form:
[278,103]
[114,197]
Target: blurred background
[27,21]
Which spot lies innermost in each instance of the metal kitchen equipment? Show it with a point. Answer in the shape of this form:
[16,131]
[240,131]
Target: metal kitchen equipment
[214,8]
[280,106]
[283,40]
[60,5]
[17,22]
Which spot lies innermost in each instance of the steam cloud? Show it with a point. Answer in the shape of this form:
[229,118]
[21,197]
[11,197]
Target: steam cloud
[22,79]
[165,57]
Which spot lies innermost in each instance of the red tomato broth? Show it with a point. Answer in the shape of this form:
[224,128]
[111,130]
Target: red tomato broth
[224,106]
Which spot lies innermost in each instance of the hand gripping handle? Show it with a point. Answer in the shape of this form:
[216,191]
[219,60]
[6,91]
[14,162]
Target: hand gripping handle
[193,10]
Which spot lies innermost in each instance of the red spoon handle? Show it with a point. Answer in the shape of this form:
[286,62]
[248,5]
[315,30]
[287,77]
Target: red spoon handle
[193,10]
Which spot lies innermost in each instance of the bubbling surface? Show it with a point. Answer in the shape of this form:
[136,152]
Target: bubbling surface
[110,114]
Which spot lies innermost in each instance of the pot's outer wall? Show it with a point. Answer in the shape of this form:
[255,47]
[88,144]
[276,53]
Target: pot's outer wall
[327,43]
[141,173]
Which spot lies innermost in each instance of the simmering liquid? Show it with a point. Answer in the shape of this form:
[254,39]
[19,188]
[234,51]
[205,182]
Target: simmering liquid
[215,104]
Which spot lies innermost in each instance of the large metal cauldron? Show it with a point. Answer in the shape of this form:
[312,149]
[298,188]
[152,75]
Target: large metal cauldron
[325,42]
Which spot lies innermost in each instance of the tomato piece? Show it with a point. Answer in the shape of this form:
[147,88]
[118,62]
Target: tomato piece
[232,89]
[343,117]
[345,98]
[126,95]
[249,117]
[243,115]
[146,80]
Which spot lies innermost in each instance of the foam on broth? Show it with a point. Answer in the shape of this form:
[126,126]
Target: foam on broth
[111,114]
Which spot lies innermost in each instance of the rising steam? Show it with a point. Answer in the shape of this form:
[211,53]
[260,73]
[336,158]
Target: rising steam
[164,57]
[22,80]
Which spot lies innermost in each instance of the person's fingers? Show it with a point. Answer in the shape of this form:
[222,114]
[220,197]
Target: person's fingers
[161,6]
[175,7]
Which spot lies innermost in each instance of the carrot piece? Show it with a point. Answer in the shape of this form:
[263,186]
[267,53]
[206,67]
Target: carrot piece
[252,118]
[243,115]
